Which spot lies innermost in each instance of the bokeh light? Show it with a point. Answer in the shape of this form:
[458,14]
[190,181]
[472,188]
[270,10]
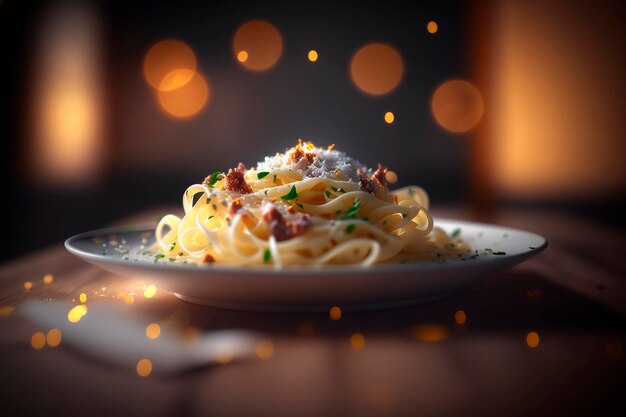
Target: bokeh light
[335,313]
[53,338]
[391,177]
[460,317]
[165,57]
[48,279]
[242,56]
[312,55]
[430,333]
[262,43]
[377,68]
[457,106]
[265,349]
[6,310]
[186,100]
[144,367]
[532,339]
[38,340]
[153,331]
[82,297]
[432,27]
[357,341]
[28,285]
[389,117]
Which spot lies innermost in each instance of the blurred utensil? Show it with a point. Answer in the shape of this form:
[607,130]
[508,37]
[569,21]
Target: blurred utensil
[115,333]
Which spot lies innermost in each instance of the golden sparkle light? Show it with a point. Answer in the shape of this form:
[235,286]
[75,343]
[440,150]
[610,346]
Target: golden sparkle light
[457,106]
[48,279]
[38,340]
[153,331]
[262,43]
[389,117]
[144,367]
[77,313]
[82,298]
[335,313]
[391,177]
[376,69]
[53,338]
[432,27]
[532,339]
[312,55]
[357,341]
[28,285]
[150,291]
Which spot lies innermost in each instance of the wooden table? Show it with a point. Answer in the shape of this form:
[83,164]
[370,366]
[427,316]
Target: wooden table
[573,295]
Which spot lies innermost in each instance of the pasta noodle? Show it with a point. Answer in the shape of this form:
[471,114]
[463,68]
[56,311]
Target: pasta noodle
[306,207]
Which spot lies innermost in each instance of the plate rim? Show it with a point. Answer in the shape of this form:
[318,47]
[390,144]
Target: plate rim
[424,266]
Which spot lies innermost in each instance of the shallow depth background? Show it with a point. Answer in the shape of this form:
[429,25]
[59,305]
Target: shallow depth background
[550,76]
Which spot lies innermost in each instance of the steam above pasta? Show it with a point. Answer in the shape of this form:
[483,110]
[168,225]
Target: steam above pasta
[306,206]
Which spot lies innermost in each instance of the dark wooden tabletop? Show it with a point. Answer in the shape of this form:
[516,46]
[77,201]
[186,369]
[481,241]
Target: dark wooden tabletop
[422,360]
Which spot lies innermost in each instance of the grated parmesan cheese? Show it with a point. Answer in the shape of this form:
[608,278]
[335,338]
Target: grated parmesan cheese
[326,163]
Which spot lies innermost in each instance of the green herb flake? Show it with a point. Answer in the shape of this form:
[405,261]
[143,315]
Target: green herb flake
[180,253]
[328,194]
[498,253]
[274,180]
[159,256]
[356,206]
[172,259]
[208,200]
[173,246]
[265,192]
[214,206]
[267,256]
[210,217]
[456,232]
[261,175]
[300,205]
[214,178]
[291,195]
[350,228]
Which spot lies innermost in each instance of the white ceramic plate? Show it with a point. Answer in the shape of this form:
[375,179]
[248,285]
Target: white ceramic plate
[311,289]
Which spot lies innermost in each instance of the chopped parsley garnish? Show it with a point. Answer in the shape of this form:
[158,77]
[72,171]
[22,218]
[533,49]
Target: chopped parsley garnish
[274,180]
[291,195]
[356,206]
[210,217]
[338,190]
[265,192]
[350,228]
[214,206]
[456,232]
[172,259]
[214,178]
[300,205]
[267,255]
[173,246]
[159,256]
[180,253]
[498,253]
[328,194]
[263,174]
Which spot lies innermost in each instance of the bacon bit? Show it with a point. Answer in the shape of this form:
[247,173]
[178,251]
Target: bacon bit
[208,259]
[234,207]
[299,152]
[281,229]
[330,148]
[380,172]
[235,180]
[375,182]
[291,209]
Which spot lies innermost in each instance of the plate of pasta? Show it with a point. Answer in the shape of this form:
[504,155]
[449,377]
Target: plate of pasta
[304,230]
